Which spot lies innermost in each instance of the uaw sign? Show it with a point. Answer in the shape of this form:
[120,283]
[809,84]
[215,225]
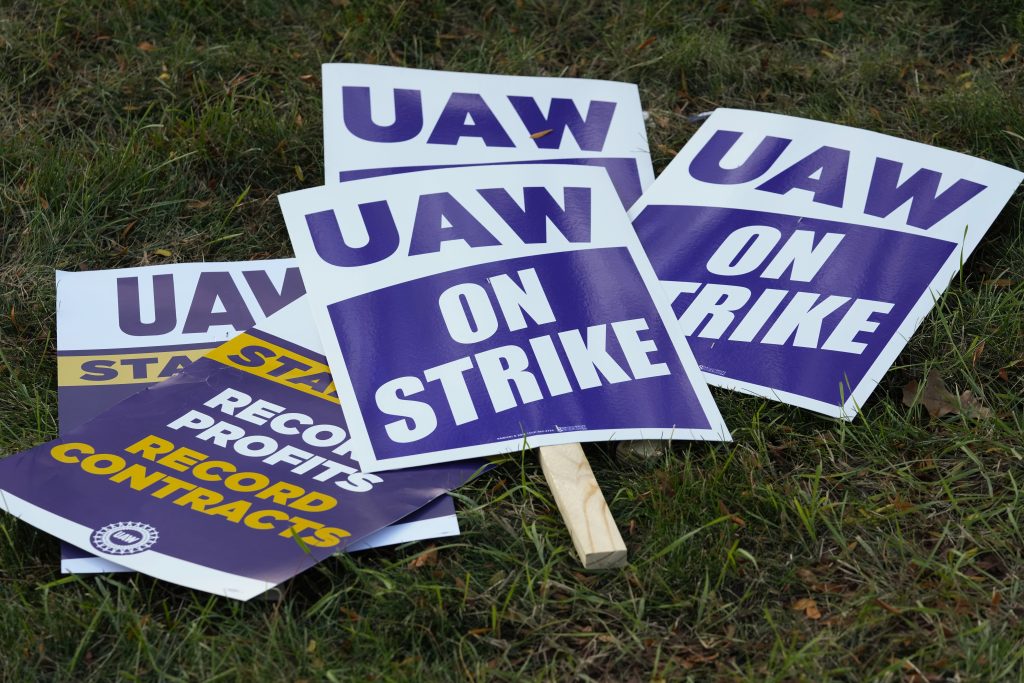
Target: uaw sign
[487,308]
[800,256]
[381,120]
[120,331]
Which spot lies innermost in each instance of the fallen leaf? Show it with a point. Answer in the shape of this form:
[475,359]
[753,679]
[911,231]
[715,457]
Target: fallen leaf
[972,408]
[299,174]
[308,78]
[978,350]
[428,558]
[809,607]
[735,519]
[199,203]
[146,46]
[482,631]
[646,43]
[127,229]
[1003,375]
[940,401]
[691,661]
[540,133]
[936,398]
[1000,283]
[1010,54]
[162,252]
[834,14]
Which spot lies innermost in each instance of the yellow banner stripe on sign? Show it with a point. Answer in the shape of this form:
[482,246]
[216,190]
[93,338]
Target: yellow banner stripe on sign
[123,368]
[278,364]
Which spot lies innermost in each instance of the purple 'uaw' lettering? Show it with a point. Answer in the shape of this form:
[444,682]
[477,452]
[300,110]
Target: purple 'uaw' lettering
[707,164]
[359,120]
[428,232]
[211,288]
[452,125]
[589,132]
[330,244]
[829,164]
[927,207]
[129,306]
[267,295]
[531,221]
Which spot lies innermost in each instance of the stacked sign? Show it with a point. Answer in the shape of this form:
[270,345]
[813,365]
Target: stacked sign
[475,286]
[123,330]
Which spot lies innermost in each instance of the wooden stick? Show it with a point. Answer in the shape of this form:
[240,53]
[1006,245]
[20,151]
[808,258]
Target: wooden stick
[591,526]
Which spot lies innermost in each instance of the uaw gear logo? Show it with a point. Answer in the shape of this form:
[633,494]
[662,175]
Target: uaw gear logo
[124,538]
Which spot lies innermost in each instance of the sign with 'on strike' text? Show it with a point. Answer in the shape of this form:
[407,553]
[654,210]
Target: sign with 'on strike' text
[800,256]
[491,307]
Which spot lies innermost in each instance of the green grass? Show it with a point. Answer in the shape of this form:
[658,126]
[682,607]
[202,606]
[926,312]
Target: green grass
[905,531]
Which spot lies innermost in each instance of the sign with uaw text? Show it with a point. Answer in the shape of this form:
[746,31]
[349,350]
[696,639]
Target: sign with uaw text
[381,120]
[120,331]
[800,256]
[229,477]
[490,308]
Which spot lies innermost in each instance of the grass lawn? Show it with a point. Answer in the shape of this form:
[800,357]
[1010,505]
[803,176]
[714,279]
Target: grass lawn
[887,549]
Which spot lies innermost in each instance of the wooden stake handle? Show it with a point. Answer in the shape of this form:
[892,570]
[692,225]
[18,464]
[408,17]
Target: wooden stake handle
[583,507]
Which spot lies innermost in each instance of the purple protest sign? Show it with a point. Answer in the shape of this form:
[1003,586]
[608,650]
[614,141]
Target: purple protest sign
[121,330]
[800,256]
[229,477]
[489,308]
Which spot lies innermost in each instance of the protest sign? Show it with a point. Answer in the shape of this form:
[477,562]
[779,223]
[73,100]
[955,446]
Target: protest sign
[380,120]
[489,308]
[800,256]
[229,477]
[119,331]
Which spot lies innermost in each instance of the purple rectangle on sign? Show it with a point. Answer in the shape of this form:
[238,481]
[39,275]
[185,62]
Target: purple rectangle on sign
[599,289]
[797,304]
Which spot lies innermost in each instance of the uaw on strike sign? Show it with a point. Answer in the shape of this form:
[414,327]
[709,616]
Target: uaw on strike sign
[800,256]
[490,308]
[380,120]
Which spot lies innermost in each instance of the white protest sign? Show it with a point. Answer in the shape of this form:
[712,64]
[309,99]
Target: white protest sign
[801,256]
[119,331]
[383,119]
[490,307]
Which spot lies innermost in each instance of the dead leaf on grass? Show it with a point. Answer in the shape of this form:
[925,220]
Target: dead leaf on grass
[146,46]
[198,203]
[428,558]
[162,252]
[1001,283]
[691,661]
[972,408]
[646,43]
[809,607]
[978,350]
[940,401]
